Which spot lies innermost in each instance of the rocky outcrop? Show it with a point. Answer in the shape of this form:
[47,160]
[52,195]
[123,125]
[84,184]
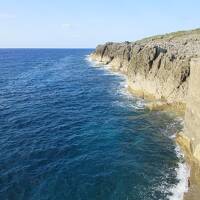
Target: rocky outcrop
[192,115]
[158,66]
[115,54]
[189,139]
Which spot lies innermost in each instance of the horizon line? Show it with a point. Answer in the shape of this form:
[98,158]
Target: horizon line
[47,47]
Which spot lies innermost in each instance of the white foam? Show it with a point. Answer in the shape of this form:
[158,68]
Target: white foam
[131,101]
[88,58]
[183,170]
[94,63]
[183,173]
[136,103]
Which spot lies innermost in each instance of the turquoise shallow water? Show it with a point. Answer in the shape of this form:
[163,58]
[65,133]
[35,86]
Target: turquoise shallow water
[69,130]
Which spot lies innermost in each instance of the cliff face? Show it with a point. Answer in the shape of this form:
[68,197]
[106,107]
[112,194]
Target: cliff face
[192,115]
[159,65]
[189,139]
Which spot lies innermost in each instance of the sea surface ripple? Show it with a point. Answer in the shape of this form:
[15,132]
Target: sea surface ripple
[70,131]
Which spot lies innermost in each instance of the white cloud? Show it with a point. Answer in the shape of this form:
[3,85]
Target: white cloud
[7,16]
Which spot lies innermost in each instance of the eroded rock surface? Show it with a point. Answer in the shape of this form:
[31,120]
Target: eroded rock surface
[192,115]
[158,65]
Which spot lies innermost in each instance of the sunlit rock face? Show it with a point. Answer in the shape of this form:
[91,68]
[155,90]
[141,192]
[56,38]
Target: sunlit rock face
[158,65]
[192,115]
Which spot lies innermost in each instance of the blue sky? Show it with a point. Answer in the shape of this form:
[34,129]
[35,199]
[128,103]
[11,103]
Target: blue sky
[86,23]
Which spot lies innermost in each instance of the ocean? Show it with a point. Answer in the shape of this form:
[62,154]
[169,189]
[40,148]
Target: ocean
[70,130]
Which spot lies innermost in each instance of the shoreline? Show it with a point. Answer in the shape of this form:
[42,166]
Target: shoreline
[179,109]
[194,178]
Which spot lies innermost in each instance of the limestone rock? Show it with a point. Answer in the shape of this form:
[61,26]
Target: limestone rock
[158,65]
[192,115]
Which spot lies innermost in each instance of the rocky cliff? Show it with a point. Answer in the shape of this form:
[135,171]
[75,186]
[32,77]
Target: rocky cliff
[158,66]
[189,139]
[167,68]
[192,114]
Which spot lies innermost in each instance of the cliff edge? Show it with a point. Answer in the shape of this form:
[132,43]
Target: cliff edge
[158,66]
[189,139]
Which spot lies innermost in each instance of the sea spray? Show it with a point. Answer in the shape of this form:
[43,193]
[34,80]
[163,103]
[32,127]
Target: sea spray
[183,173]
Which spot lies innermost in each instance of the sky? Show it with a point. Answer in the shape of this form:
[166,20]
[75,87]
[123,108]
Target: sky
[87,23]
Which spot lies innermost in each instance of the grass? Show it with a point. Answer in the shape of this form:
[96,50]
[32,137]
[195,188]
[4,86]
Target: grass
[172,35]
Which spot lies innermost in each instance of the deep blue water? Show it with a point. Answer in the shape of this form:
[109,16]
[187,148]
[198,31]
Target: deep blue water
[68,130]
